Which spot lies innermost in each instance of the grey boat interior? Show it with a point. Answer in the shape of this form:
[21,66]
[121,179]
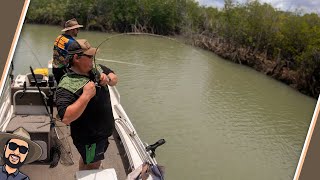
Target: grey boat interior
[24,106]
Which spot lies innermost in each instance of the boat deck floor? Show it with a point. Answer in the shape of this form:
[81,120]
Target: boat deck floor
[113,159]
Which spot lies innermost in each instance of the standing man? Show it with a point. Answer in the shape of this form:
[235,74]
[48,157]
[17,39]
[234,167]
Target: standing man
[85,106]
[17,149]
[60,48]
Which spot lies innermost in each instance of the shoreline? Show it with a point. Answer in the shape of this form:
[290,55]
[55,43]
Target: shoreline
[277,69]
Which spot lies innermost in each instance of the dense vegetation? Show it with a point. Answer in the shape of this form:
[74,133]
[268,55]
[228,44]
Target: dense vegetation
[285,45]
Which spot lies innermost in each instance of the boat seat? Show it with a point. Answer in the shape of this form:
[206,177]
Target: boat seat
[28,102]
[31,114]
[104,174]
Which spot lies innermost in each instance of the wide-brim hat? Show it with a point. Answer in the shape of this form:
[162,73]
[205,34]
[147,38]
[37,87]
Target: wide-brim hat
[71,24]
[35,150]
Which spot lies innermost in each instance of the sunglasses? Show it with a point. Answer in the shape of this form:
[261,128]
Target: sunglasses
[89,56]
[22,149]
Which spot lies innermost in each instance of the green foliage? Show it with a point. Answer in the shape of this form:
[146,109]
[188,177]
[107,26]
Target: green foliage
[47,12]
[80,10]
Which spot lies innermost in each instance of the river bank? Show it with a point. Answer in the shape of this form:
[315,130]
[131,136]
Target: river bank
[278,69]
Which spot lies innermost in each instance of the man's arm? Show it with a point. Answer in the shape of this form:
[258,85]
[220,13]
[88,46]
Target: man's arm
[113,79]
[108,76]
[75,110]
[70,112]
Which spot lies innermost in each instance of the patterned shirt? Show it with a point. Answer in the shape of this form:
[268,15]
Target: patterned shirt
[60,50]
[14,176]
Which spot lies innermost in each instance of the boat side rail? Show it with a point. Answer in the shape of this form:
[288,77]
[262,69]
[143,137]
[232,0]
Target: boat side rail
[116,92]
[133,136]
[146,154]
[5,107]
[5,111]
[138,153]
[125,119]
[120,111]
[128,145]
[135,152]
[7,118]
[139,145]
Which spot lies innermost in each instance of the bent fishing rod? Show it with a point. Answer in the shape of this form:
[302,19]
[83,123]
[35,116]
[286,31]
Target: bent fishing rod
[96,73]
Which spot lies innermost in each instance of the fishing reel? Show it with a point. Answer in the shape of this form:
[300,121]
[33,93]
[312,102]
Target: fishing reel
[96,77]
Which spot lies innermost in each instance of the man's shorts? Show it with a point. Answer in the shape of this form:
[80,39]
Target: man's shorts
[91,153]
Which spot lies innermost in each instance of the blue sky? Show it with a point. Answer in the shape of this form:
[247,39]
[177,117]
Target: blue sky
[287,5]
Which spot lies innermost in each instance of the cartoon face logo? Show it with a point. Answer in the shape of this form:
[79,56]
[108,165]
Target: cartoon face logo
[17,149]
[15,153]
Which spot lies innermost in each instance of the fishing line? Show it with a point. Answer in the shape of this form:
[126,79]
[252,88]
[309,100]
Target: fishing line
[120,62]
[146,34]
[34,54]
[96,73]
[132,33]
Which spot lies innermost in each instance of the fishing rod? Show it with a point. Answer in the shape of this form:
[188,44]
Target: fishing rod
[42,97]
[62,147]
[96,73]
[54,161]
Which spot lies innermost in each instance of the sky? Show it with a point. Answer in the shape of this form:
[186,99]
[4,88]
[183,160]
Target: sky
[286,5]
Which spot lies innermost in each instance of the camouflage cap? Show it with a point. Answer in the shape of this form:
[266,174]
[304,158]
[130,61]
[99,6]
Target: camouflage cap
[81,46]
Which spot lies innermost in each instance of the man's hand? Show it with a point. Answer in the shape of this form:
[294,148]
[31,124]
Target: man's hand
[75,110]
[89,90]
[104,79]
